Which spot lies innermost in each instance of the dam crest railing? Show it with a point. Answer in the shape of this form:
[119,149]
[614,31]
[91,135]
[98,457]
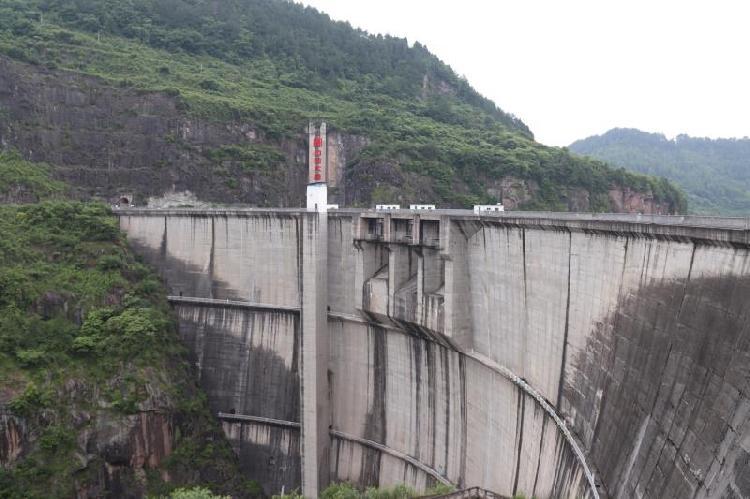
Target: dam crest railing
[705,221]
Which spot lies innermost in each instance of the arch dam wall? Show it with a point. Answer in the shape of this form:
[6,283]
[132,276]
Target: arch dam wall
[551,355]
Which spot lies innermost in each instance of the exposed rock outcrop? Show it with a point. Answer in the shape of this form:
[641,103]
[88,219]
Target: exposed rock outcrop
[105,140]
[12,437]
[513,191]
[115,449]
[18,194]
[629,201]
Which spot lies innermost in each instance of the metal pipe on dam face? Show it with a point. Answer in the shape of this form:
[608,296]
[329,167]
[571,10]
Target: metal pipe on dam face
[551,355]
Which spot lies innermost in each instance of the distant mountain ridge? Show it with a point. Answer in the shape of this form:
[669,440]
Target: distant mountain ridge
[715,173]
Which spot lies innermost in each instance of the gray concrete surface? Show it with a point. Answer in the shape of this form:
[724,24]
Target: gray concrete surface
[553,355]
[316,407]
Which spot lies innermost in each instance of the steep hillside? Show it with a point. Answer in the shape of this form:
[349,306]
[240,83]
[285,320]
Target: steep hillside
[715,174]
[96,396]
[25,182]
[150,97]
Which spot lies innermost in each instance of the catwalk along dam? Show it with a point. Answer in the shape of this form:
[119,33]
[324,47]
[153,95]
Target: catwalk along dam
[551,355]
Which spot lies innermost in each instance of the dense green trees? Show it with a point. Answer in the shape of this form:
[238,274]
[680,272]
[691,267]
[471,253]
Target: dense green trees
[714,173]
[302,40]
[86,336]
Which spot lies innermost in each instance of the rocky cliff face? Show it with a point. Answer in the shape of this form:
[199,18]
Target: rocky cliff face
[512,191]
[12,438]
[106,141]
[111,141]
[17,195]
[629,201]
[116,453]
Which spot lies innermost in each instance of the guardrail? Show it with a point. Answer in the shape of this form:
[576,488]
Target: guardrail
[229,416]
[735,223]
[562,427]
[215,302]
[393,452]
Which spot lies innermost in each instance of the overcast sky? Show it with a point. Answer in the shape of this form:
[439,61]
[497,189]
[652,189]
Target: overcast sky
[574,68]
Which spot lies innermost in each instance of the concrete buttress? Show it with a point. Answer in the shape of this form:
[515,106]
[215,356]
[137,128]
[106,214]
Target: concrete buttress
[316,416]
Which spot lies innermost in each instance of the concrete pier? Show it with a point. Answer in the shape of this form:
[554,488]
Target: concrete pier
[550,355]
[316,406]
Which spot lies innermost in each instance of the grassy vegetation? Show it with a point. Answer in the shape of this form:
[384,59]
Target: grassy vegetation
[451,137]
[23,179]
[195,493]
[348,491]
[86,336]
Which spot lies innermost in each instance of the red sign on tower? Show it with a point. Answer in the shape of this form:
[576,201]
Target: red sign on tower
[317,161]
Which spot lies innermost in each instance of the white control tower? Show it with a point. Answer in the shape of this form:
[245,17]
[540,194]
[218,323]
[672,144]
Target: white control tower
[317,187]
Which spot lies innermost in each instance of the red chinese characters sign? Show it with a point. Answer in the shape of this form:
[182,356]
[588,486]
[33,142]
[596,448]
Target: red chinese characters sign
[317,160]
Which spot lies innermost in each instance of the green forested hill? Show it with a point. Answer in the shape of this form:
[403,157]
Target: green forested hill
[92,372]
[273,63]
[715,174]
[307,49]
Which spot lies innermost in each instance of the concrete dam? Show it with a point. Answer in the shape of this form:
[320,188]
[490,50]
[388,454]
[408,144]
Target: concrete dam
[550,355]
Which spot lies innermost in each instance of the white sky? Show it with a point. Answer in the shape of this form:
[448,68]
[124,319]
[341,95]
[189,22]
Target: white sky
[574,68]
